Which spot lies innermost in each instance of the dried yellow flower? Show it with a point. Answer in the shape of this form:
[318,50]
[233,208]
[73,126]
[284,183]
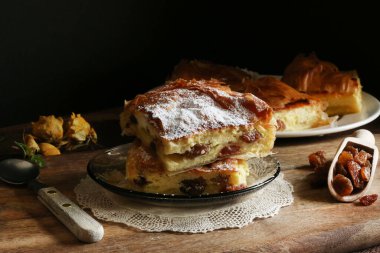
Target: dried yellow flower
[31,143]
[48,149]
[75,133]
[48,129]
[79,129]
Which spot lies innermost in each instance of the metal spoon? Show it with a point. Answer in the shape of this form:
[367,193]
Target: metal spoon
[82,225]
[365,140]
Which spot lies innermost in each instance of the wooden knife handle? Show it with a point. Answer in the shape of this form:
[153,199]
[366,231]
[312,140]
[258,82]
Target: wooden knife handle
[80,223]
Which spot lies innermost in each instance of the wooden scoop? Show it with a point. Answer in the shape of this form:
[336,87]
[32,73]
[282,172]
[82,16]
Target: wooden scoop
[362,139]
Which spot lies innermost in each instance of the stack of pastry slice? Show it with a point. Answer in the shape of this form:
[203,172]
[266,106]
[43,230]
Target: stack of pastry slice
[194,136]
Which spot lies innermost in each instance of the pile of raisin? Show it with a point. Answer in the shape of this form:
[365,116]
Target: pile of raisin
[352,171]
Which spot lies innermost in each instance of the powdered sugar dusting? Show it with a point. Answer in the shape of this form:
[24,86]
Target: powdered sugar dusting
[184,112]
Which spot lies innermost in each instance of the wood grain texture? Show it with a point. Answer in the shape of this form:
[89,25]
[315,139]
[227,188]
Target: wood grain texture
[315,222]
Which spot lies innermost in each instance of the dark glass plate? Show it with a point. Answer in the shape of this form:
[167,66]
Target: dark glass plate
[108,170]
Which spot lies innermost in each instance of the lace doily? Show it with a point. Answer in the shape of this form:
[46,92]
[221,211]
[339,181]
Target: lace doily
[111,207]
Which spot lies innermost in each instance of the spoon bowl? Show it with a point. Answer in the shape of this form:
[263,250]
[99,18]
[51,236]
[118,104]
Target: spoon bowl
[18,171]
[364,140]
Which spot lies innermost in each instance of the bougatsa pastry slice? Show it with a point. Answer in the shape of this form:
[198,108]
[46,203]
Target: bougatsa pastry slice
[322,79]
[293,110]
[195,122]
[145,173]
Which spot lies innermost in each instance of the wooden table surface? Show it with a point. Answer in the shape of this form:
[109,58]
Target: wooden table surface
[315,222]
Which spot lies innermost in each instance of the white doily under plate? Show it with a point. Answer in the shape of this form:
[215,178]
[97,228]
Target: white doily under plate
[108,206]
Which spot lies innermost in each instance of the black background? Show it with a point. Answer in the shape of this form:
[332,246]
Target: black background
[58,57]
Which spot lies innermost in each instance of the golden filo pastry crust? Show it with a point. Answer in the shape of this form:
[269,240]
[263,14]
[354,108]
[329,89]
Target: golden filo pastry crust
[195,122]
[322,79]
[278,94]
[234,77]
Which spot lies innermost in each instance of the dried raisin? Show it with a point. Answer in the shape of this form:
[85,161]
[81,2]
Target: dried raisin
[365,171]
[342,185]
[140,181]
[197,150]
[317,159]
[251,137]
[368,200]
[230,150]
[354,170]
[345,157]
[193,187]
[351,149]
[362,157]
